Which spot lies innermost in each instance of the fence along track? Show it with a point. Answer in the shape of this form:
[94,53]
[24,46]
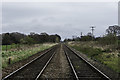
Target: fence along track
[19,72]
[71,60]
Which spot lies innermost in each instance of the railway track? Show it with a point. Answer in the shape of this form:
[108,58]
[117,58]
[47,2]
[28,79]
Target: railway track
[82,69]
[33,69]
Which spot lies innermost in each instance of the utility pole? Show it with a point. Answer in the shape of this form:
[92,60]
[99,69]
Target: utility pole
[92,28]
[81,34]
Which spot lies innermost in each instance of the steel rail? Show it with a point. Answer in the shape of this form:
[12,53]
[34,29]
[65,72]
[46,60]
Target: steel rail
[71,65]
[45,67]
[89,63]
[26,64]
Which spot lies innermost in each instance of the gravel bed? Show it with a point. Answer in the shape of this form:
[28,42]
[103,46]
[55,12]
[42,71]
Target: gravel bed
[58,67]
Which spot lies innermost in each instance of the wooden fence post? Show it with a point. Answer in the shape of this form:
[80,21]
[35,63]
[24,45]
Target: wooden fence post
[9,61]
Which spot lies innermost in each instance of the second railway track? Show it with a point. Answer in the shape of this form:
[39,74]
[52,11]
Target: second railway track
[83,70]
[33,69]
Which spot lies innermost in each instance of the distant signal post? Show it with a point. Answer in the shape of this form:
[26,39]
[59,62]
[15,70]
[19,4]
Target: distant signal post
[92,28]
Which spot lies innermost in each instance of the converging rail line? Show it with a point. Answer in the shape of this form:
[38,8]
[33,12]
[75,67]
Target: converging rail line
[33,69]
[82,69]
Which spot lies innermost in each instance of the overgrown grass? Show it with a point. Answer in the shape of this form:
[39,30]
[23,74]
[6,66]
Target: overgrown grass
[89,51]
[8,47]
[107,59]
[12,46]
[21,54]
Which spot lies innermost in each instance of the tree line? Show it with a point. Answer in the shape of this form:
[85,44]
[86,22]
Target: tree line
[32,38]
[87,37]
[112,37]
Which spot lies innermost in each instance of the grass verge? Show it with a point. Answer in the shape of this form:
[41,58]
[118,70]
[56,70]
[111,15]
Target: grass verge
[21,54]
[108,59]
[8,47]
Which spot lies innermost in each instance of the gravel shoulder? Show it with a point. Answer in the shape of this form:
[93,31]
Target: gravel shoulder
[58,67]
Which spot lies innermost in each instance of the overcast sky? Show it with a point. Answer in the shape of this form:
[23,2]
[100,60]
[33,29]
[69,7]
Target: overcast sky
[66,19]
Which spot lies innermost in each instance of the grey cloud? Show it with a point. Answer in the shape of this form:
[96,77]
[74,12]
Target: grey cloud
[65,19]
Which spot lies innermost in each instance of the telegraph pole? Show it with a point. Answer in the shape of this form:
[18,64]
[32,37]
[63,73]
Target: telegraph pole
[81,34]
[92,28]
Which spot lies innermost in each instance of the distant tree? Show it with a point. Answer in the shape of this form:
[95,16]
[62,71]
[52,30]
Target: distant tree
[35,36]
[44,33]
[10,38]
[86,38]
[44,37]
[27,40]
[52,38]
[15,37]
[89,34]
[65,40]
[6,39]
[111,37]
[113,30]
[32,38]
[97,38]
[58,38]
